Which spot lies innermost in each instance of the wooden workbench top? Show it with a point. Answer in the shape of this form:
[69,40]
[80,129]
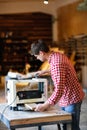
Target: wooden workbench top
[28,117]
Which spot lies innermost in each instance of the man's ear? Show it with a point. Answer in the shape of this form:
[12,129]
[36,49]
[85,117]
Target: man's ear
[41,52]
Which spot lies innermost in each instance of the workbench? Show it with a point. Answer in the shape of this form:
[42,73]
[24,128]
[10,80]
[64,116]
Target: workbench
[20,119]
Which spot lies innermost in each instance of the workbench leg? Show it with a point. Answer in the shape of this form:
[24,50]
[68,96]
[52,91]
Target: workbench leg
[64,126]
[58,125]
[12,129]
[39,127]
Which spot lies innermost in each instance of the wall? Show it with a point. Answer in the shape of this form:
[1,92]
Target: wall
[25,6]
[71,21]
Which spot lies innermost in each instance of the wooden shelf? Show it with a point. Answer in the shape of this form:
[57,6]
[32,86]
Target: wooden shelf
[15,56]
[32,25]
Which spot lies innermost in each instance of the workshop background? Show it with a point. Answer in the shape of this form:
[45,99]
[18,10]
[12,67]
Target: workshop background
[61,23]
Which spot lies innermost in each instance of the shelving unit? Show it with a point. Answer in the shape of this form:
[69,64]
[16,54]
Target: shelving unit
[81,52]
[15,55]
[14,49]
[34,26]
[77,44]
[81,58]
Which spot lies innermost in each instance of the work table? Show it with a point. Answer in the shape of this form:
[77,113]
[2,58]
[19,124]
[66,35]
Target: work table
[19,119]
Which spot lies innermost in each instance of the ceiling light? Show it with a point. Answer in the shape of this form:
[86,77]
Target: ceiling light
[46,2]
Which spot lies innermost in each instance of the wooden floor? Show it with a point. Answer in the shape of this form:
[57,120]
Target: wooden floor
[83,121]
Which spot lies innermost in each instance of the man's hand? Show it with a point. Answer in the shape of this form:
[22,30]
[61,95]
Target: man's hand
[42,107]
[42,72]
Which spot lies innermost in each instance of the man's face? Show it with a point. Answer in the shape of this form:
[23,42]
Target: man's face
[40,56]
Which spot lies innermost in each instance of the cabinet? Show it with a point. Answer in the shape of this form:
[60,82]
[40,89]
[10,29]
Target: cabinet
[15,54]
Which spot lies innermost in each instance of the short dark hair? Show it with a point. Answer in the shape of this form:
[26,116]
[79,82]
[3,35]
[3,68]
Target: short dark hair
[38,46]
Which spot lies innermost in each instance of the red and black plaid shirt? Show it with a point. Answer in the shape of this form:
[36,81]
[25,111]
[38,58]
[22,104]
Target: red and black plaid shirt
[67,89]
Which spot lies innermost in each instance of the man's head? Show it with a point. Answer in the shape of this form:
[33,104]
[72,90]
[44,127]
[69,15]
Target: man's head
[39,49]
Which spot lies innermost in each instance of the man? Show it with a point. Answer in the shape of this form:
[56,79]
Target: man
[67,92]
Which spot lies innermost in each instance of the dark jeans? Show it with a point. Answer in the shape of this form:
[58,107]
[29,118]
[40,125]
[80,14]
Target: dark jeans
[75,110]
